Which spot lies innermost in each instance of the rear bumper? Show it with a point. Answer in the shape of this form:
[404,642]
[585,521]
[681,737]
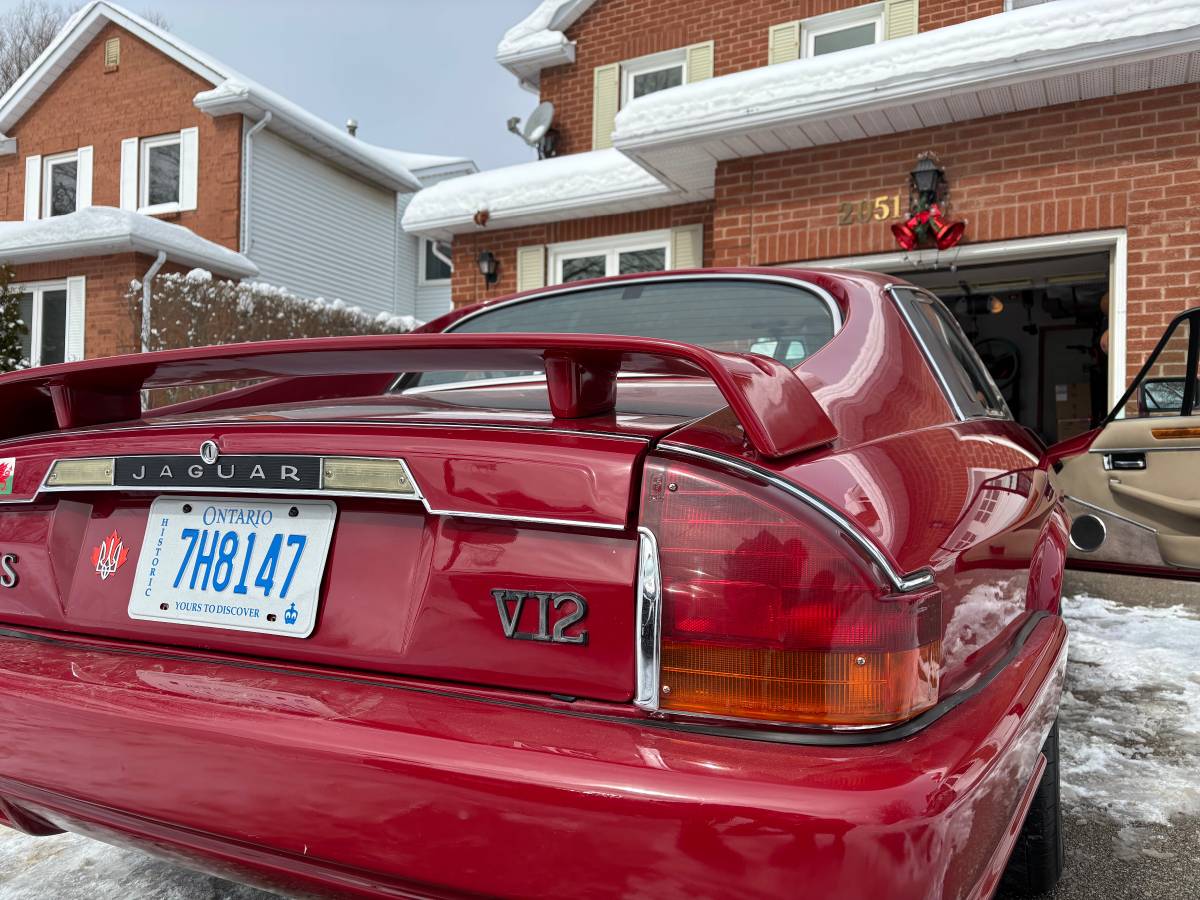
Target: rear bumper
[360,788]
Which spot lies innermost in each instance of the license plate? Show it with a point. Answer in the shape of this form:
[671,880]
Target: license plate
[246,565]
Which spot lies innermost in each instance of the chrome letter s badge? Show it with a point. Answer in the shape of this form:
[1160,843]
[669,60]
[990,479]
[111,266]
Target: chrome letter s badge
[555,614]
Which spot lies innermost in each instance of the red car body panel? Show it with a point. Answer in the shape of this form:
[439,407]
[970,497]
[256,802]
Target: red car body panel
[368,787]
[461,757]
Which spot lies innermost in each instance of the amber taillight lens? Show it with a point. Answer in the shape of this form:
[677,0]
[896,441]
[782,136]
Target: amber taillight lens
[769,613]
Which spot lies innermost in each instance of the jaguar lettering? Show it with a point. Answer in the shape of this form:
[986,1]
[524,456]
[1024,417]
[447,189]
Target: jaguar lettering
[511,604]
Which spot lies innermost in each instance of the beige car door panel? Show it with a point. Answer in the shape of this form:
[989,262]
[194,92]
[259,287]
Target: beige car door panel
[1160,500]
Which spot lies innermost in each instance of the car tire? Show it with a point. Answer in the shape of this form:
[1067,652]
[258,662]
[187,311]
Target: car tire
[1037,858]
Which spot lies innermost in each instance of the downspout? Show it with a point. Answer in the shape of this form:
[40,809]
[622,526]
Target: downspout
[146,279]
[247,154]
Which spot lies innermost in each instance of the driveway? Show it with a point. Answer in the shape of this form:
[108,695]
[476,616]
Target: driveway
[1130,733]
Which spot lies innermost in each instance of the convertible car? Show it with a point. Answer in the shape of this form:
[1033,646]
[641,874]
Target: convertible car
[711,583]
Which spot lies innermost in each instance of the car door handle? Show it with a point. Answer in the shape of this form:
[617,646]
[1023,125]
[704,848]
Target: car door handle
[1124,461]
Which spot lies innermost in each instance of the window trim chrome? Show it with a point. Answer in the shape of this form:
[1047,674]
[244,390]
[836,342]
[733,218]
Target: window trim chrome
[1005,415]
[903,582]
[823,295]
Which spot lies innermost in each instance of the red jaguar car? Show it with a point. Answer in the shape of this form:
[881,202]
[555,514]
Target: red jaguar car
[714,583]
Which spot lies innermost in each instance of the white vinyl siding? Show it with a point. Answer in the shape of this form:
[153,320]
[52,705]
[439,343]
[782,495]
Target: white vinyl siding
[320,232]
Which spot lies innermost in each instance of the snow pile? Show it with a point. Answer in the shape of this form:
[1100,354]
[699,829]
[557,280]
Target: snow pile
[566,184]
[1130,718]
[837,80]
[104,229]
[68,867]
[542,29]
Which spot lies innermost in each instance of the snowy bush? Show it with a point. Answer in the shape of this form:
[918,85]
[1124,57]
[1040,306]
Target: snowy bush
[196,310]
[12,328]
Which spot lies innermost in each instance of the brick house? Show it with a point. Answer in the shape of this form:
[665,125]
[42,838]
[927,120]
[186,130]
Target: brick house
[782,132]
[123,149]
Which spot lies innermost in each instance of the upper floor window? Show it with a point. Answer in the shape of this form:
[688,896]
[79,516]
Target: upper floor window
[651,74]
[624,255]
[436,261]
[159,173]
[61,184]
[858,26]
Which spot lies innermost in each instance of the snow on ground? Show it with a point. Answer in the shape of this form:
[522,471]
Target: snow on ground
[1130,719]
[69,867]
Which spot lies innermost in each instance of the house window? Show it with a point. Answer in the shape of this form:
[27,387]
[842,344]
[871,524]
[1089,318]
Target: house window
[625,255]
[60,175]
[436,262]
[858,26]
[44,312]
[651,74]
[159,174]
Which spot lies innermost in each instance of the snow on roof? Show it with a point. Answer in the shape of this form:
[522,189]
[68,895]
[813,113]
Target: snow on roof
[1019,43]
[101,230]
[537,41]
[232,93]
[566,187]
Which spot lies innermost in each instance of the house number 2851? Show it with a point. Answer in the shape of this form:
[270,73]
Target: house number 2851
[872,209]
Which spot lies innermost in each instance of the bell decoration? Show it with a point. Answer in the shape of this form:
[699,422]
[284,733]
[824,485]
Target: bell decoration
[906,233]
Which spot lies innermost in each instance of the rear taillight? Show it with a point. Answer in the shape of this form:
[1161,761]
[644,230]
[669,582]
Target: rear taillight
[766,611]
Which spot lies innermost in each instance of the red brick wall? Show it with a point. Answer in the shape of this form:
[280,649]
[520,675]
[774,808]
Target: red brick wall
[148,95]
[468,287]
[1131,162]
[616,30]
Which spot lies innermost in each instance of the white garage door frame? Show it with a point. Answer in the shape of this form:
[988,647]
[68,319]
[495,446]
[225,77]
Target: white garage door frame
[1115,241]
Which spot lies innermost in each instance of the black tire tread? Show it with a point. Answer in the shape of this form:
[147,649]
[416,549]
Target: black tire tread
[1038,858]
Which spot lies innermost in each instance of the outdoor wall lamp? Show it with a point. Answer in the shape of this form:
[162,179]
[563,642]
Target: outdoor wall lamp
[488,267]
[928,178]
[927,222]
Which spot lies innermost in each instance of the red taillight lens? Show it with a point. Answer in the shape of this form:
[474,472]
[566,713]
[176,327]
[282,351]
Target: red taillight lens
[768,613]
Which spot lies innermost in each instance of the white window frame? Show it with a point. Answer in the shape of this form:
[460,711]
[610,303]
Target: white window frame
[145,145]
[669,59]
[48,163]
[423,276]
[843,19]
[38,289]
[609,247]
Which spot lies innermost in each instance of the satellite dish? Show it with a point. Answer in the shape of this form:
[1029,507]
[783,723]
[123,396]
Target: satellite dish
[538,123]
[537,131]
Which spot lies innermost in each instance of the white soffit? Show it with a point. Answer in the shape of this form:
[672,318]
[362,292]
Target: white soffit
[1040,56]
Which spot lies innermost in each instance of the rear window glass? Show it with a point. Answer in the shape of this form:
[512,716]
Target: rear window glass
[785,321]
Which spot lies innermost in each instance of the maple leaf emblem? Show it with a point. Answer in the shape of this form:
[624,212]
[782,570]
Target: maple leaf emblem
[109,556]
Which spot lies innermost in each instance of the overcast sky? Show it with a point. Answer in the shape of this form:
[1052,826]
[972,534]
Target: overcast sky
[417,74]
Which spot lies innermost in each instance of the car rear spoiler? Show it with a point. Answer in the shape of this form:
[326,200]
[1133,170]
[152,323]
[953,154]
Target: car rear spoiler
[778,413]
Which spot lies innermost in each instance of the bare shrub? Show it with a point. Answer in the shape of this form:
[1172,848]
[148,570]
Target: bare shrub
[197,310]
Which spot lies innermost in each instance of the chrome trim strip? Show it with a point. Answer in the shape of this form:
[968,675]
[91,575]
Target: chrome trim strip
[417,493]
[903,582]
[1109,512]
[1144,449]
[648,639]
[890,289]
[301,423]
